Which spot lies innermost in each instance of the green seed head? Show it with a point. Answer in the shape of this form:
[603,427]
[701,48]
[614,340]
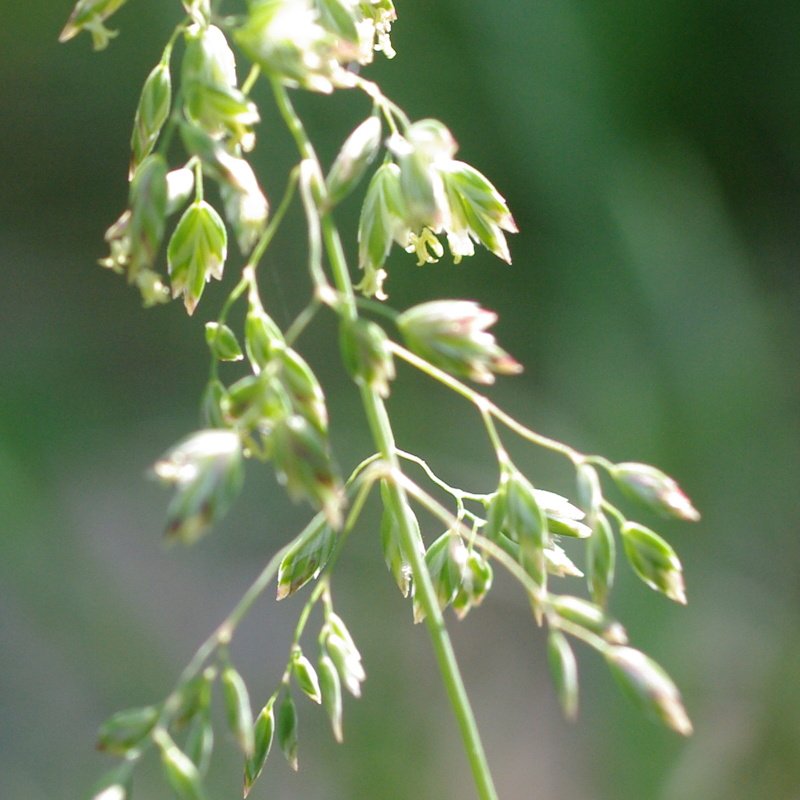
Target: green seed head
[151,113]
[357,153]
[453,335]
[646,683]
[654,489]
[207,472]
[654,561]
[197,252]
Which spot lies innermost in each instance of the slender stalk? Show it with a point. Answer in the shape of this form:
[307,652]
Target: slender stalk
[384,440]
[615,512]
[426,594]
[456,493]
[248,279]
[301,321]
[223,633]
[494,436]
[251,78]
[198,181]
[277,218]
[309,171]
[319,589]
[389,108]
[377,308]
[486,406]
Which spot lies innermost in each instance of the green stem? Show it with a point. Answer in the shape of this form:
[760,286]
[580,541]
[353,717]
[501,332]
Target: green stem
[310,185]
[251,78]
[426,594]
[377,308]
[458,494]
[225,631]
[322,585]
[494,437]
[615,512]
[587,637]
[301,321]
[484,405]
[390,109]
[235,294]
[198,181]
[384,440]
[277,218]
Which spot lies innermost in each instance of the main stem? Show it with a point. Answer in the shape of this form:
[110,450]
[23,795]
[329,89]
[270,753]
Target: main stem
[383,437]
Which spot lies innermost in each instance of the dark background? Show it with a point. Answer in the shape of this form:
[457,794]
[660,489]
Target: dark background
[651,155]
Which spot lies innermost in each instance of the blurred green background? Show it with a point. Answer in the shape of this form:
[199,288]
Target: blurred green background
[651,155]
